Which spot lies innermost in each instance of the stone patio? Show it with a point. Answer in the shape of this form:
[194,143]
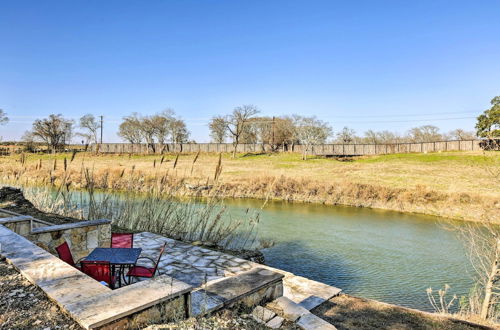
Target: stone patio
[199,267]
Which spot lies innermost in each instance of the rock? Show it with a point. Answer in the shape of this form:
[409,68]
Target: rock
[312,322]
[275,322]
[262,315]
[287,308]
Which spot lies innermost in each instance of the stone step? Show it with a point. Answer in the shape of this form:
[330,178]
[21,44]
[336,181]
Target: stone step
[249,288]
[310,321]
[285,307]
[294,312]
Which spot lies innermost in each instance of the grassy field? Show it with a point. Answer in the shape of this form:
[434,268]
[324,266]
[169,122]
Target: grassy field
[463,185]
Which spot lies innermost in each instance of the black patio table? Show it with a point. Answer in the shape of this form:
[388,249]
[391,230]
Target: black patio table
[121,257]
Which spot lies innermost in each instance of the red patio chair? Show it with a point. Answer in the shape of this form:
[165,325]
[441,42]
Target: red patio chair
[99,271]
[148,272]
[65,254]
[122,240]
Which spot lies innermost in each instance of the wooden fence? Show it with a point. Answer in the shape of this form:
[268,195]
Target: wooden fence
[321,149]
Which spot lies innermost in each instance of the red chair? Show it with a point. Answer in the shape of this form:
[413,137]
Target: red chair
[99,271]
[148,272]
[122,240]
[65,254]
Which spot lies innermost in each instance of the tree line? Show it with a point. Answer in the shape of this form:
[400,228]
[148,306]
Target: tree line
[243,125]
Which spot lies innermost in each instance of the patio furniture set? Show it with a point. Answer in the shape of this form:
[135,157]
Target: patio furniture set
[112,265]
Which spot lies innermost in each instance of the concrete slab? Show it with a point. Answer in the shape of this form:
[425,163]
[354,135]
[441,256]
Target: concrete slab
[61,282]
[275,322]
[285,307]
[308,293]
[262,314]
[312,322]
[105,308]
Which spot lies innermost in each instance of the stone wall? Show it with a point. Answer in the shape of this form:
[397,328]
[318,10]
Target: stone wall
[82,237]
[87,301]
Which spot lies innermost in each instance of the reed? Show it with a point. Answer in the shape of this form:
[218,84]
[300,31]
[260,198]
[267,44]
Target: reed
[162,207]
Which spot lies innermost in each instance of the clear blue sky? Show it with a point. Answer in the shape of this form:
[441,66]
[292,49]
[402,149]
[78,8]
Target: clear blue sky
[365,64]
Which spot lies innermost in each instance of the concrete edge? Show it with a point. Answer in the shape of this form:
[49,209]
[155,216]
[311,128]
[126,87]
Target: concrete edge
[66,226]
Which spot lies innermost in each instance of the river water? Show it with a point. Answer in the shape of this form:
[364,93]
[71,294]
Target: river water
[384,255]
[389,256]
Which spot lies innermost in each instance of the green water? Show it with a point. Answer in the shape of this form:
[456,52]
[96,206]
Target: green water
[384,255]
[389,256]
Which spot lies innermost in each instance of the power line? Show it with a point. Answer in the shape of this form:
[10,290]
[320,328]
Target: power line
[405,121]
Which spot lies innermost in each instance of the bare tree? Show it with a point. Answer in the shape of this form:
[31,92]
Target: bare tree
[130,129]
[218,129]
[371,137]
[237,121]
[311,131]
[426,133]
[162,126]
[3,117]
[482,243]
[55,131]
[148,132]
[179,132]
[346,135]
[460,134]
[29,139]
[91,127]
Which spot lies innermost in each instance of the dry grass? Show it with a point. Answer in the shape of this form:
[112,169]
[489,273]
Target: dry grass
[348,312]
[454,184]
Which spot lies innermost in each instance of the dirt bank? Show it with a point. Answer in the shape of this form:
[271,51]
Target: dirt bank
[348,312]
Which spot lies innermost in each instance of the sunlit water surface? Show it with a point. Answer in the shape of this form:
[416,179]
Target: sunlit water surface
[389,256]
[384,255]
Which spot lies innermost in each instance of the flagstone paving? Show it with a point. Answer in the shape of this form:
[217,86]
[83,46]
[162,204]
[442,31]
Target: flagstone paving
[198,266]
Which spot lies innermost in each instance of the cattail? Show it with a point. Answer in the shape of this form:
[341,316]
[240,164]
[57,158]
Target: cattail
[154,163]
[218,169]
[73,155]
[194,161]
[162,159]
[65,164]
[55,164]
[176,159]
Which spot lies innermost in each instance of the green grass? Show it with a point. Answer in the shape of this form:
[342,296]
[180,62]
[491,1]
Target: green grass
[434,157]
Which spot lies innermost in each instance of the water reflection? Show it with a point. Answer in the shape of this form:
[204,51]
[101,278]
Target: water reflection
[385,255]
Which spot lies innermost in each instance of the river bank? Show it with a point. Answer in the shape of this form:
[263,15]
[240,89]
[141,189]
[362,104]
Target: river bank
[455,185]
[345,311]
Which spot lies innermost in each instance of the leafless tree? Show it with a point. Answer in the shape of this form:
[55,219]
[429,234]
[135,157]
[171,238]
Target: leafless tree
[91,127]
[218,129]
[162,124]
[346,135]
[55,131]
[148,132]
[130,129]
[426,133]
[3,117]
[237,121]
[179,132]
[29,139]
[482,242]
[460,134]
[311,131]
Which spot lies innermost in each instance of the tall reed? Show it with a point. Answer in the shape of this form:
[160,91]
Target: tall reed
[162,207]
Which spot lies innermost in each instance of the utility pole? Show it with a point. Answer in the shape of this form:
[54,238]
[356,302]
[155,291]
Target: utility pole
[272,147]
[101,127]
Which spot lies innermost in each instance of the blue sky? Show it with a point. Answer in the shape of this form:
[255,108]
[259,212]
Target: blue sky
[365,64]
